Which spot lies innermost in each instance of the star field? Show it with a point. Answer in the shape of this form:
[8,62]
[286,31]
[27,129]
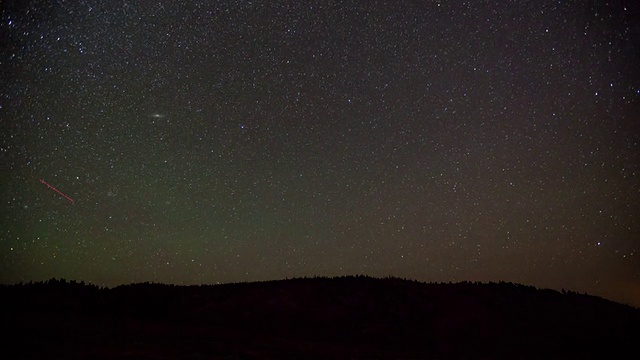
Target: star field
[207,142]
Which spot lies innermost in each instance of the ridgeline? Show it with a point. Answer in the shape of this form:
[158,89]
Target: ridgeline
[313,318]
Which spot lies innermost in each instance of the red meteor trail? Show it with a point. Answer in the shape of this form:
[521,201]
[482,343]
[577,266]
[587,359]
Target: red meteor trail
[58,191]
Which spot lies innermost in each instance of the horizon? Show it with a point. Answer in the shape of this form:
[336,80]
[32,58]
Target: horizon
[315,277]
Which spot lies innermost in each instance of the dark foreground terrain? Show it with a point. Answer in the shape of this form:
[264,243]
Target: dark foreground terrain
[349,317]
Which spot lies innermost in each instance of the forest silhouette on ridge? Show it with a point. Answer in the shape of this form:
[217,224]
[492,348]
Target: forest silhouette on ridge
[344,317]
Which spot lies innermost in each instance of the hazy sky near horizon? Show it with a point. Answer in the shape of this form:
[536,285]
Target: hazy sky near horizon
[204,141]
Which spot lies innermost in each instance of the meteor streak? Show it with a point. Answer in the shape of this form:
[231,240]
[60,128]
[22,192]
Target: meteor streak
[58,191]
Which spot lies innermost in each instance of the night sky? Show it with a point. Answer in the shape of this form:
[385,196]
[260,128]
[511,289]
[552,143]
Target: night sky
[213,142]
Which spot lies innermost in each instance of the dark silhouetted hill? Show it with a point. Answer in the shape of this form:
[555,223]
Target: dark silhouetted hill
[319,318]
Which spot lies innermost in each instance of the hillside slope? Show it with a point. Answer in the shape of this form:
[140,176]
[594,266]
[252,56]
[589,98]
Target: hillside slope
[348,317]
